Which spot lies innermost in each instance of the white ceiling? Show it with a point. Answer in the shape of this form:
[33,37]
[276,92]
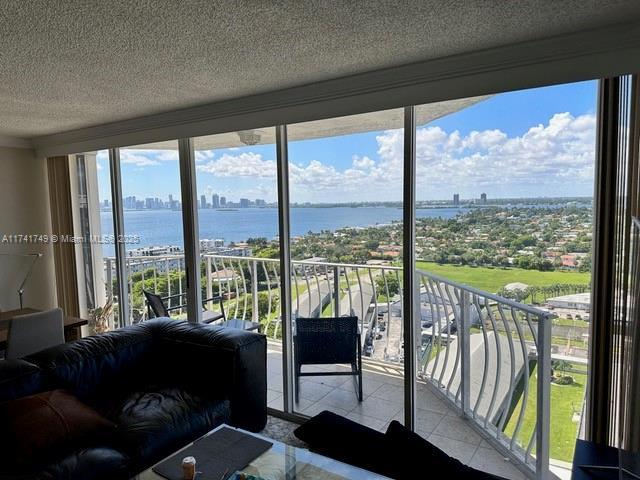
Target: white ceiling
[71,64]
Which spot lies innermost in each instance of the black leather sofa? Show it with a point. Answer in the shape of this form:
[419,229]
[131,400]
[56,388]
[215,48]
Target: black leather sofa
[163,383]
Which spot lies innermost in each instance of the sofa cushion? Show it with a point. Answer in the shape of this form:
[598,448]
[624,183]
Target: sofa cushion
[99,463]
[154,422]
[347,441]
[100,364]
[19,378]
[414,452]
[41,426]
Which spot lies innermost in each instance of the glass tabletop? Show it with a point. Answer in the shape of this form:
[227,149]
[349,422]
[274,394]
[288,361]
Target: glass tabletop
[284,462]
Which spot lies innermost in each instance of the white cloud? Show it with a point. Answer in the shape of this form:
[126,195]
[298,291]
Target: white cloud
[362,163]
[147,158]
[137,160]
[558,154]
[555,157]
[247,164]
[204,155]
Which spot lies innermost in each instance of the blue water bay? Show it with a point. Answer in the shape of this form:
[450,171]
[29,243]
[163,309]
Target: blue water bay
[164,227]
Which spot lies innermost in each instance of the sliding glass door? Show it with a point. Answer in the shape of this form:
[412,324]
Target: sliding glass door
[345,182]
[153,229]
[504,220]
[93,222]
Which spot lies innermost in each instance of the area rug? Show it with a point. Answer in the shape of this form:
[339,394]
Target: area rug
[282,431]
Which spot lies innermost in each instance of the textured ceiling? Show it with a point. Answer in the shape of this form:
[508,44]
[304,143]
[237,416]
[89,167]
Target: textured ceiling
[70,64]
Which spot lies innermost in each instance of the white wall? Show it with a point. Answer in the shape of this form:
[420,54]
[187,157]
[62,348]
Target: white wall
[24,209]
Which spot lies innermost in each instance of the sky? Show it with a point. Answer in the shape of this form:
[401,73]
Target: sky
[531,143]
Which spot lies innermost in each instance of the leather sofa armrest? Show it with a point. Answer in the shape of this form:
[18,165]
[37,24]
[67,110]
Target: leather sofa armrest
[19,378]
[222,361]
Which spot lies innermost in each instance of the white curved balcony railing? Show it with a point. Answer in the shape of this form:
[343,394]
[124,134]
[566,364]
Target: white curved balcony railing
[491,357]
[483,353]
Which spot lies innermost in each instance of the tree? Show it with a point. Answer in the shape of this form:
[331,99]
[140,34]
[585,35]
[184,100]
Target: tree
[585,264]
[523,241]
[561,365]
[260,242]
[532,291]
[371,244]
[392,284]
[263,306]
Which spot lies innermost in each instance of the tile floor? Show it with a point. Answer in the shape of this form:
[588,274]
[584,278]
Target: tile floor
[383,402]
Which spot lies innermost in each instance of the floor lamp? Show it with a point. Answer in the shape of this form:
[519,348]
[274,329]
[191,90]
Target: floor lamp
[34,258]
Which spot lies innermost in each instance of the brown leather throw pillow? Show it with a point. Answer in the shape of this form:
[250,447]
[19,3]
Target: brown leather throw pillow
[35,428]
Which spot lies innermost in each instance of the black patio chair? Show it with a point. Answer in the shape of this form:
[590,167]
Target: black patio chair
[156,306]
[318,341]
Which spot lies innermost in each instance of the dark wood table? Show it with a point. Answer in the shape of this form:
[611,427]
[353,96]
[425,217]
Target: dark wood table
[71,324]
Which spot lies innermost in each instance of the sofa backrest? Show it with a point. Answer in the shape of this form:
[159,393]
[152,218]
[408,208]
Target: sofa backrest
[217,362]
[114,360]
[19,378]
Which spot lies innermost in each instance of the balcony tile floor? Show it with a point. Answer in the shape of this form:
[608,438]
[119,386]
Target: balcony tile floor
[383,402]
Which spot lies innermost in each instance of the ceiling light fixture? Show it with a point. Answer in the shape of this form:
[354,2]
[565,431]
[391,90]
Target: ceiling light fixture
[249,137]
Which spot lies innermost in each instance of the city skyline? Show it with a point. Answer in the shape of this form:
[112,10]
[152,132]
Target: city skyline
[157,203]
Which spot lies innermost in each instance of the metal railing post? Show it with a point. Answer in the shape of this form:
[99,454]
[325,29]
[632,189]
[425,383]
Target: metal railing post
[543,414]
[109,279]
[336,291]
[180,298]
[465,351]
[167,269]
[254,291]
[109,288]
[209,281]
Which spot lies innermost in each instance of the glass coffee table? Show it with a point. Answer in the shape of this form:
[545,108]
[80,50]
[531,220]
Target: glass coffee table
[284,462]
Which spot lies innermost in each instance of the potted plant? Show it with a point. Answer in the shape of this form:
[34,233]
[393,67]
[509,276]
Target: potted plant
[100,317]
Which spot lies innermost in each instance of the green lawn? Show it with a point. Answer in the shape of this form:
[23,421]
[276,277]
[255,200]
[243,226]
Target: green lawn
[565,399]
[566,322]
[493,279]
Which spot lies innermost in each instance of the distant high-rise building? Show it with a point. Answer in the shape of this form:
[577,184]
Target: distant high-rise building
[171,202]
[149,203]
[244,203]
[130,203]
[483,198]
[456,199]
[215,201]
[223,201]
[260,202]
[203,201]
